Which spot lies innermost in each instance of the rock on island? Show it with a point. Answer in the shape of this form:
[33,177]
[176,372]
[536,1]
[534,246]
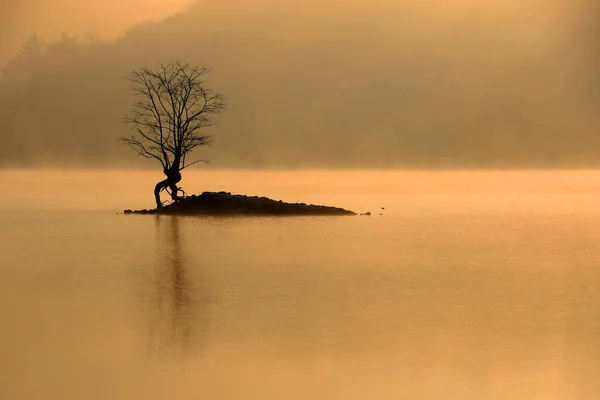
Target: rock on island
[227,204]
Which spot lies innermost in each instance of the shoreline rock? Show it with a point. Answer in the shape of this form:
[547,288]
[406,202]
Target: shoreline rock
[227,204]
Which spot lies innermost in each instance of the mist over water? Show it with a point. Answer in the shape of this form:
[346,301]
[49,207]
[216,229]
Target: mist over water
[461,84]
[471,285]
[466,128]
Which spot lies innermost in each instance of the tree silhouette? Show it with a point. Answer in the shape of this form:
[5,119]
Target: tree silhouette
[174,106]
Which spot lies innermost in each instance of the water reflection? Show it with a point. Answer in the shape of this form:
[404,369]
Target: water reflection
[180,315]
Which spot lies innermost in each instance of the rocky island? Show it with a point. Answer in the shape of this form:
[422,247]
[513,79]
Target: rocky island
[227,204]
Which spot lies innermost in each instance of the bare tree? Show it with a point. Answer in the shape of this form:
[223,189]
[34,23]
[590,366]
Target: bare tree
[168,119]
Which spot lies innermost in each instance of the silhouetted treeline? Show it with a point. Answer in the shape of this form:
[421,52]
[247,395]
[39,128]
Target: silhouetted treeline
[340,84]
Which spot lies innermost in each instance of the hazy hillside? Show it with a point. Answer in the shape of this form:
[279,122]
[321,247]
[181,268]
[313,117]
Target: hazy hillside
[337,83]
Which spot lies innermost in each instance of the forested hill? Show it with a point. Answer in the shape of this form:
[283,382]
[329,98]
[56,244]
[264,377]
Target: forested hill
[351,83]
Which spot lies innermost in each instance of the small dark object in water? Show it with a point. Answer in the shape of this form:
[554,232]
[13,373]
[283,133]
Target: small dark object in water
[367,214]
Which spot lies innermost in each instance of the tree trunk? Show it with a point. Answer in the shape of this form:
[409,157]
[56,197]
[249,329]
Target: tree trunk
[173,178]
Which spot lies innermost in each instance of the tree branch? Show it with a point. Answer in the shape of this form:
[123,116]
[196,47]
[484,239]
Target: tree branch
[173,106]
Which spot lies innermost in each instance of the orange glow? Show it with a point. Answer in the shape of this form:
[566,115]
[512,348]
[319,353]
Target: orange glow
[99,19]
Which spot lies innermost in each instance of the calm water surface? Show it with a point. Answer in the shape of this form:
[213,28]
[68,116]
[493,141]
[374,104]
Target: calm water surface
[470,286]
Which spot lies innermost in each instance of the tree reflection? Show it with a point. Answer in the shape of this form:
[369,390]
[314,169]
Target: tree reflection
[180,317]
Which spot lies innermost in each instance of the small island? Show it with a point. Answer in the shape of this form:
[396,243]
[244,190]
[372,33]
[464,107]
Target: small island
[227,204]
[174,106]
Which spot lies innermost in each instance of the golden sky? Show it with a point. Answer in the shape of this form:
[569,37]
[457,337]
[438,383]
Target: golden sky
[104,19]
[108,19]
[449,82]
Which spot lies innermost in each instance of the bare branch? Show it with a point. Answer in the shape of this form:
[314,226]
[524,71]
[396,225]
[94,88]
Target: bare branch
[194,162]
[141,149]
[173,107]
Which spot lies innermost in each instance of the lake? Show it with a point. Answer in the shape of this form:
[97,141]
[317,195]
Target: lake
[471,285]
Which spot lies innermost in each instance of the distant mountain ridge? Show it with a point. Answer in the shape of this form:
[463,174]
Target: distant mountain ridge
[328,84]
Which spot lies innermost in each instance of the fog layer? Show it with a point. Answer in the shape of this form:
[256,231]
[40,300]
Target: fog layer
[357,83]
